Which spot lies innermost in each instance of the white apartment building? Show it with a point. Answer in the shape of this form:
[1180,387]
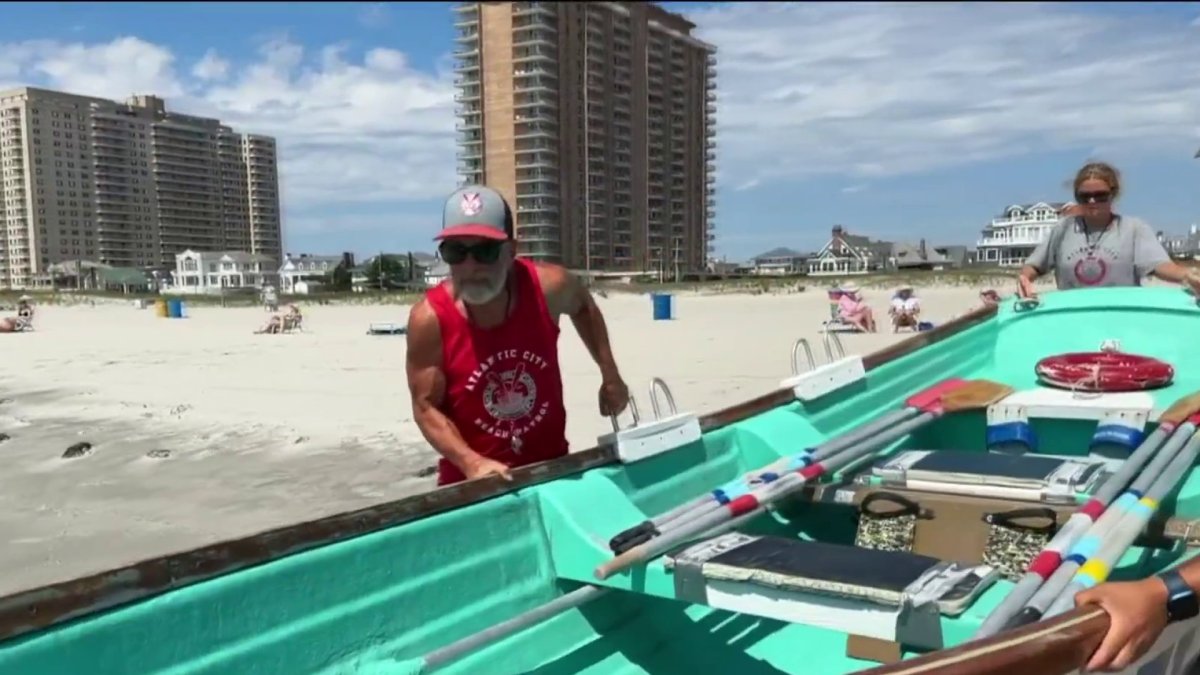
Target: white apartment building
[126,184]
[1009,239]
[203,272]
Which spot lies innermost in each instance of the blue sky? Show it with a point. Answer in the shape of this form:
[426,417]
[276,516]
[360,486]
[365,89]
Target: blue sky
[896,121]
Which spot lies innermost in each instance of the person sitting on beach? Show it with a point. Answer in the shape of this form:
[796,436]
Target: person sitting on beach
[1095,246]
[905,309]
[23,321]
[989,297]
[852,308]
[293,320]
[482,360]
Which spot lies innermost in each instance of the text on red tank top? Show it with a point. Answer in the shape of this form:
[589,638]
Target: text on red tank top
[504,388]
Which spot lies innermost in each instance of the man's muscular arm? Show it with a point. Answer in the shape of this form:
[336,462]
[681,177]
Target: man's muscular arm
[427,387]
[565,294]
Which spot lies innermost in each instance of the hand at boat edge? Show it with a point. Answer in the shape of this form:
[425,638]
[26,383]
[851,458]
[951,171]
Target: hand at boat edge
[614,396]
[1026,288]
[484,467]
[1137,613]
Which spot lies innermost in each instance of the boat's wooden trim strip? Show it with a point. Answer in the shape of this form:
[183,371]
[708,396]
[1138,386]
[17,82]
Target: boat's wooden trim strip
[39,608]
[1051,647]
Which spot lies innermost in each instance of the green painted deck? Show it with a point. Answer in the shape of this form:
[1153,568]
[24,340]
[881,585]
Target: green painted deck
[364,605]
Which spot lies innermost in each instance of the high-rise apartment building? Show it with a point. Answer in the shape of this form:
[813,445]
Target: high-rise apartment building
[596,121]
[126,184]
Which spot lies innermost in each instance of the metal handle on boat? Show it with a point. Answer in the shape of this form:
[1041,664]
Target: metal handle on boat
[832,340]
[658,384]
[633,410]
[807,353]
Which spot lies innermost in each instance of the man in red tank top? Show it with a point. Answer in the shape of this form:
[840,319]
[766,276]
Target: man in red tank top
[482,359]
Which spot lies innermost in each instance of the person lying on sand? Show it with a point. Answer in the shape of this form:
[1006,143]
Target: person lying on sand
[273,326]
[852,308]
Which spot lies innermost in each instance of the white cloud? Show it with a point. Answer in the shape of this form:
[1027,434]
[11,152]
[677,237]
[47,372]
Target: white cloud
[851,189]
[350,128]
[375,15]
[211,67]
[858,91]
[865,90]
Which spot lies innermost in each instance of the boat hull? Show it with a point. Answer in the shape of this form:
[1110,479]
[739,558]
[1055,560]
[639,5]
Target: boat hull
[369,591]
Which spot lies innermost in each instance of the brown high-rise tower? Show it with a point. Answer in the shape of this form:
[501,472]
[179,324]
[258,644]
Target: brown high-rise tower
[597,112]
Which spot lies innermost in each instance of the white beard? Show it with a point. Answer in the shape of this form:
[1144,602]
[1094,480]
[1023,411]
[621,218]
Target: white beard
[480,293]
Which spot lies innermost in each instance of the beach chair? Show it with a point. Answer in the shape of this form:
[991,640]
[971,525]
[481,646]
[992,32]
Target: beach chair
[835,323]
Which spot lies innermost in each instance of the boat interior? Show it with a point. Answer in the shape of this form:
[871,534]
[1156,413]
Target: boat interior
[816,584]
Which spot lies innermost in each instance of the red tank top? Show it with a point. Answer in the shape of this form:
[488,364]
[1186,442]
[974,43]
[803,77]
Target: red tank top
[503,385]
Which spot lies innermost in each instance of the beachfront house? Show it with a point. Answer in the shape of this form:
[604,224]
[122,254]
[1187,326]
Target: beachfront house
[1185,247]
[1009,239]
[213,272]
[847,253]
[391,271]
[303,274]
[780,261]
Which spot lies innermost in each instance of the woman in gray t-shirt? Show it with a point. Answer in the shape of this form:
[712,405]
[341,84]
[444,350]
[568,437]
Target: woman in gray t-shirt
[1094,246]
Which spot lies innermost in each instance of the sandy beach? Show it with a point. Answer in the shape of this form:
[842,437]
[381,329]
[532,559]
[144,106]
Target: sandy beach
[203,431]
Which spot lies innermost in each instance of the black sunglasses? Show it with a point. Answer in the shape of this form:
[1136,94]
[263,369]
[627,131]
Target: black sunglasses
[455,252]
[1090,197]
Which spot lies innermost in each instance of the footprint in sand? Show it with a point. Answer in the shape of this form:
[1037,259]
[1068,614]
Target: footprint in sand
[158,454]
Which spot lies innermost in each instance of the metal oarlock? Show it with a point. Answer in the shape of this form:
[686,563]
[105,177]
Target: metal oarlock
[812,365]
[669,429]
[832,340]
[1026,304]
[633,410]
[655,385]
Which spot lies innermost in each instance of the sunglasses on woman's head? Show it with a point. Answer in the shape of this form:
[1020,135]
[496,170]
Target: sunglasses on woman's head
[456,252]
[1093,197]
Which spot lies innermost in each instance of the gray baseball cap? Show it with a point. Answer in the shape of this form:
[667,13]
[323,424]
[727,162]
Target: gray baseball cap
[476,211]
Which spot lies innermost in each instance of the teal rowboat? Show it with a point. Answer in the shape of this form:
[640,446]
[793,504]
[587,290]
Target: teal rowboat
[868,516]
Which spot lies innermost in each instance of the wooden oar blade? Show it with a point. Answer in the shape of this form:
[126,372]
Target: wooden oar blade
[1181,410]
[975,395]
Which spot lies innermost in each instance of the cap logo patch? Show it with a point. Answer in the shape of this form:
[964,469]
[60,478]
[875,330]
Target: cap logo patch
[472,204]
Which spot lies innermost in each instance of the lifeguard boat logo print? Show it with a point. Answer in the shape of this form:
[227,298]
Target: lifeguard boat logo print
[1092,264]
[507,384]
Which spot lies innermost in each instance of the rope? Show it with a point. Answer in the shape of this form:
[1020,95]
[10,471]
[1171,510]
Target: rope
[1106,371]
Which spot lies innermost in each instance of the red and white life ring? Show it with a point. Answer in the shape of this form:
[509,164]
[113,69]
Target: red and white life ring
[1105,371]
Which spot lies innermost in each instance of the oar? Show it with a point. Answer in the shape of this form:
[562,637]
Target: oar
[715,500]
[1048,561]
[458,649]
[825,449]
[971,395]
[1089,541]
[1098,567]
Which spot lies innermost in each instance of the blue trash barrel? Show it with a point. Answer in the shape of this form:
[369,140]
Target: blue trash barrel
[664,306]
[175,308]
